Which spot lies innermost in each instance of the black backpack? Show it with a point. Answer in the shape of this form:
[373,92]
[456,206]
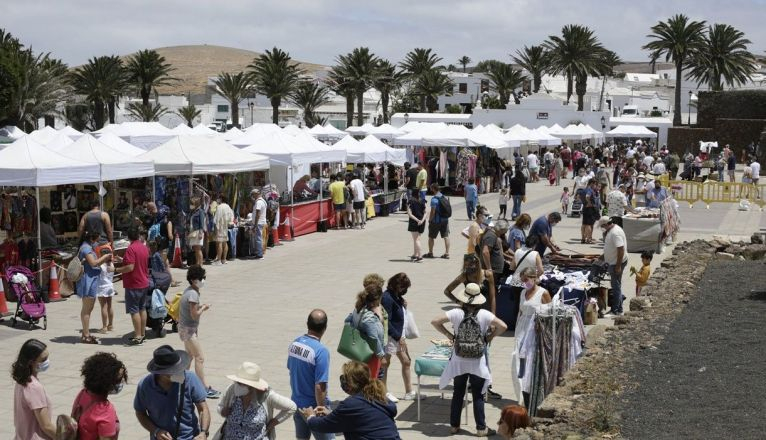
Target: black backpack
[469,339]
[445,209]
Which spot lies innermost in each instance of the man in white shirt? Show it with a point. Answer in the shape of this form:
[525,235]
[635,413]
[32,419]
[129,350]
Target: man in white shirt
[756,168]
[658,168]
[259,222]
[615,246]
[533,163]
[617,204]
[357,190]
[630,153]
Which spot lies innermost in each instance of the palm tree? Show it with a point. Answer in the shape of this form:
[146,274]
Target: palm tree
[504,79]
[387,80]
[148,70]
[146,113]
[417,62]
[360,66]
[338,82]
[535,60]
[577,53]
[101,81]
[234,88]
[276,76]
[723,59]
[309,96]
[189,113]
[432,84]
[678,39]
[464,61]
[610,61]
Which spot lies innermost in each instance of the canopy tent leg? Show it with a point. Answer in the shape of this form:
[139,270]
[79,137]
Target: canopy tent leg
[39,233]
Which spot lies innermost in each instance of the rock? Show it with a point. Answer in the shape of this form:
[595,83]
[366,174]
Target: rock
[734,249]
[622,320]
[754,251]
[725,256]
[756,238]
[554,405]
[640,303]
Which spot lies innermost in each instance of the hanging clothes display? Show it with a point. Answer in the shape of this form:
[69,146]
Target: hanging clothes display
[670,222]
[466,166]
[19,213]
[443,165]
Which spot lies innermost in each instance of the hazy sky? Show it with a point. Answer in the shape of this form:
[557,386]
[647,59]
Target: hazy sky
[318,30]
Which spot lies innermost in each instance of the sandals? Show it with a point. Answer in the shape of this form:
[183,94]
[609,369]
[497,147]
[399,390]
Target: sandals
[88,340]
[428,255]
[175,284]
[103,330]
[445,256]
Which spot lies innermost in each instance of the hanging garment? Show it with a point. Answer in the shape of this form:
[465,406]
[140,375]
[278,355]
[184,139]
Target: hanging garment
[7,223]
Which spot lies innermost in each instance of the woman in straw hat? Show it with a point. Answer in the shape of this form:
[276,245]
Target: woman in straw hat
[248,406]
[468,369]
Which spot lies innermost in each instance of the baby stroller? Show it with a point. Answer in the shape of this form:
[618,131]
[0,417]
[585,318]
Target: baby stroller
[29,302]
[576,208]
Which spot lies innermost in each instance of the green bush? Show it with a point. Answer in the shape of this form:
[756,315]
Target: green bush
[739,104]
[453,108]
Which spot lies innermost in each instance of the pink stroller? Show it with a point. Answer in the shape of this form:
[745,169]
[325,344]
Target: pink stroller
[29,303]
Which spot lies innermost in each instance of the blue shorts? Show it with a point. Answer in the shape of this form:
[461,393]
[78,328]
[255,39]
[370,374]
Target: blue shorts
[340,207]
[302,431]
[135,300]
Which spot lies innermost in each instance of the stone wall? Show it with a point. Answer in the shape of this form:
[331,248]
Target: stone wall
[739,104]
[683,139]
[739,133]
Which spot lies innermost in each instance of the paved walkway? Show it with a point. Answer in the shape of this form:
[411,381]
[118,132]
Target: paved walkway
[258,307]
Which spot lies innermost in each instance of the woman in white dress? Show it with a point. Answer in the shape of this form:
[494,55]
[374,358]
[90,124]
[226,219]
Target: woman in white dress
[532,298]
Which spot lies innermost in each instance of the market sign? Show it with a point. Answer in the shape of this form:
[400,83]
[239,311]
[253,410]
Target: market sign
[542,115]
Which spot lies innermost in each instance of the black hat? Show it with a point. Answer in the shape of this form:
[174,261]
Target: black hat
[166,360]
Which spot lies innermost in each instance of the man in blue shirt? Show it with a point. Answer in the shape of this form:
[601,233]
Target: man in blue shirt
[471,198]
[159,394]
[437,225]
[309,364]
[656,196]
[543,228]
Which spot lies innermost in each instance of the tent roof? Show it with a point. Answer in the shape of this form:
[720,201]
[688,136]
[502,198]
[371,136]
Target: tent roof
[44,135]
[189,155]
[631,131]
[27,163]
[360,131]
[452,136]
[327,131]
[58,142]
[71,132]
[116,143]
[115,165]
[416,136]
[232,133]
[202,130]
[386,131]
[182,129]
[284,149]
[255,133]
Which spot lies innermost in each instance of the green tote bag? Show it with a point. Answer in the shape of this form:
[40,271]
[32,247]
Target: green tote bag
[353,345]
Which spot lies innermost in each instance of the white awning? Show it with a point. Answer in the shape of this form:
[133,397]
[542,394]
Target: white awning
[198,155]
[27,163]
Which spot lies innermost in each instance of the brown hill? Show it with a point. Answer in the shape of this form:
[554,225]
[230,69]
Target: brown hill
[195,64]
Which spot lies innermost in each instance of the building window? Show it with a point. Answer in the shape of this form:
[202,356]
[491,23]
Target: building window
[223,108]
[462,88]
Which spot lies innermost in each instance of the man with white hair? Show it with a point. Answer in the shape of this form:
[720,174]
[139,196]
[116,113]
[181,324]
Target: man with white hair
[615,255]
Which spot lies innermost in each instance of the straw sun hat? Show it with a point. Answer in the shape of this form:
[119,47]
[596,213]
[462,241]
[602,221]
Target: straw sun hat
[249,374]
[471,295]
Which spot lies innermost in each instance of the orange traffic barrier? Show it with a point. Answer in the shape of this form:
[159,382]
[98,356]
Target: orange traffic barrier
[53,285]
[3,304]
[285,233]
[275,236]
[177,263]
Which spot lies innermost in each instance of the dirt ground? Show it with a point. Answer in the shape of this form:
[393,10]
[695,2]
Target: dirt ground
[706,379]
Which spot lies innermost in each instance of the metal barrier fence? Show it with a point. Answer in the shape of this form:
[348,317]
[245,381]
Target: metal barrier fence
[715,192]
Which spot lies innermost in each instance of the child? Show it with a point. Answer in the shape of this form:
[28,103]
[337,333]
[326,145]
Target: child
[105,292]
[565,200]
[503,202]
[642,275]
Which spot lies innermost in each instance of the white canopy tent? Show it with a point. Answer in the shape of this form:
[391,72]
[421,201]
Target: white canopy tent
[372,150]
[71,132]
[386,131]
[58,142]
[256,133]
[116,143]
[182,129]
[415,137]
[10,133]
[113,164]
[360,131]
[284,149]
[28,163]
[543,139]
[232,133]
[292,129]
[452,136]
[263,128]
[44,135]
[144,135]
[327,132]
[630,131]
[196,155]
[410,126]
[202,130]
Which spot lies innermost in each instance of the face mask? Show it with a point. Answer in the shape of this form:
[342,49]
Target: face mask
[241,390]
[199,284]
[177,378]
[529,284]
[43,366]
[117,388]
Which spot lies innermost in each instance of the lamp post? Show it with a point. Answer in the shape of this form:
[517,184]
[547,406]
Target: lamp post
[603,123]
[251,104]
[690,108]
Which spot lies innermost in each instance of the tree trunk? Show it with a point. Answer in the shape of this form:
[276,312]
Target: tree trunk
[581,88]
[111,109]
[537,80]
[360,107]
[189,123]
[569,85]
[677,100]
[145,93]
[49,121]
[349,109]
[275,110]
[384,103]
[423,103]
[98,113]
[235,113]
[601,96]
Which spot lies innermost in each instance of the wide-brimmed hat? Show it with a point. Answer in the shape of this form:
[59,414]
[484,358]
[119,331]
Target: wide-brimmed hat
[166,360]
[249,374]
[471,295]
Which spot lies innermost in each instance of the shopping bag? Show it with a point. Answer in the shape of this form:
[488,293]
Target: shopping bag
[353,346]
[410,328]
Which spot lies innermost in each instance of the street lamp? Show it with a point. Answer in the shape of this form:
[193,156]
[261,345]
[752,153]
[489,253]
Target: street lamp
[603,123]
[406,117]
[690,108]
[251,104]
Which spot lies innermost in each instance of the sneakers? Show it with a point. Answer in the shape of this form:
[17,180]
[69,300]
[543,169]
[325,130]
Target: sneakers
[612,314]
[493,395]
[217,263]
[213,394]
[412,396]
[486,432]
[391,398]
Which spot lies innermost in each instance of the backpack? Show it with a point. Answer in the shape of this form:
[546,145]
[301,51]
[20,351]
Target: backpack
[445,209]
[158,308]
[75,269]
[154,232]
[469,339]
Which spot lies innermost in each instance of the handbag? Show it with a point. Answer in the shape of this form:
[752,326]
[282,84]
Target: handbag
[410,328]
[352,345]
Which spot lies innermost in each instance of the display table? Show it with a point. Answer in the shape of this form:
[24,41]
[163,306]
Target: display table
[432,363]
[642,234]
[304,216]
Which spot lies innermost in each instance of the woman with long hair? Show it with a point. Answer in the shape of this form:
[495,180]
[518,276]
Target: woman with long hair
[517,235]
[396,307]
[31,405]
[367,317]
[365,414]
[103,375]
[87,286]
[416,211]
[473,273]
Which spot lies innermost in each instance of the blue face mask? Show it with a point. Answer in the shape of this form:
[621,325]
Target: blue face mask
[43,366]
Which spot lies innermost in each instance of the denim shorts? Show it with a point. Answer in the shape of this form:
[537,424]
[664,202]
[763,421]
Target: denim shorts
[302,431]
[135,300]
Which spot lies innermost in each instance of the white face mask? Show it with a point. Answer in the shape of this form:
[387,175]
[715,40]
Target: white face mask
[241,390]
[117,388]
[44,366]
[199,284]
[177,378]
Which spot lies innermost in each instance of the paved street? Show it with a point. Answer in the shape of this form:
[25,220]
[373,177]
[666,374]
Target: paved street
[258,307]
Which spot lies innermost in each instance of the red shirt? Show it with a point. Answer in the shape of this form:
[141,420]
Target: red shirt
[137,254]
[98,418]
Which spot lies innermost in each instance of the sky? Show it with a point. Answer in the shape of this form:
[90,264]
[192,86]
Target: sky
[318,30]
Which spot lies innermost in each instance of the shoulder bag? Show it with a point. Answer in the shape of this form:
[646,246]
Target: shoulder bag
[352,345]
